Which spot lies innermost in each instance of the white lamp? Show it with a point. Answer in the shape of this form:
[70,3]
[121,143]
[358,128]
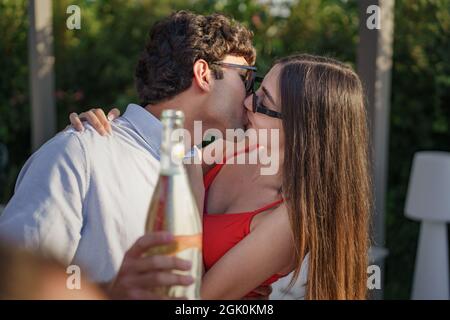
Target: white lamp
[428,200]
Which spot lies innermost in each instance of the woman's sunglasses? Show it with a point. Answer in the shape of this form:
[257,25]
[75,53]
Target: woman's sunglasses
[258,106]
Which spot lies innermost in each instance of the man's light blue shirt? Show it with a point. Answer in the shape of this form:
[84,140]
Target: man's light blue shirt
[84,197]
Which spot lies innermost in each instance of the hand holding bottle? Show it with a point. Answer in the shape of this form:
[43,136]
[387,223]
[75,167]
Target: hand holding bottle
[139,274]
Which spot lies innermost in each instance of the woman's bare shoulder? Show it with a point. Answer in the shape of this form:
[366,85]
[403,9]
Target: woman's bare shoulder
[280,220]
[280,215]
[277,218]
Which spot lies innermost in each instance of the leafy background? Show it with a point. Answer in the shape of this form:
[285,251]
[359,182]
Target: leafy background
[94,67]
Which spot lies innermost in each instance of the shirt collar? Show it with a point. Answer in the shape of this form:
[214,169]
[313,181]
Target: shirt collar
[147,125]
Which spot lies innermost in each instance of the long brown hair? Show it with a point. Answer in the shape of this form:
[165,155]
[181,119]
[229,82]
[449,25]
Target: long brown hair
[326,174]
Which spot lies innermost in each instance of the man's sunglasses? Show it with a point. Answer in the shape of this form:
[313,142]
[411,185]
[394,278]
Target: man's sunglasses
[248,78]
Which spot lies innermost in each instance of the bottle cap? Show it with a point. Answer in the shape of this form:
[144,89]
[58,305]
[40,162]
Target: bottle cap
[171,113]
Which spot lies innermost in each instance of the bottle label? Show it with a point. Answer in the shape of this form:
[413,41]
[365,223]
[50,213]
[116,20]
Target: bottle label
[179,244]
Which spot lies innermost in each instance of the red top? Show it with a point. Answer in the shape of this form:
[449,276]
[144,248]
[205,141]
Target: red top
[221,232]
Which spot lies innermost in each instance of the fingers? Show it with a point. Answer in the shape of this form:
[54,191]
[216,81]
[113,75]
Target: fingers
[103,120]
[161,262]
[146,242]
[93,120]
[96,118]
[113,114]
[76,122]
[161,279]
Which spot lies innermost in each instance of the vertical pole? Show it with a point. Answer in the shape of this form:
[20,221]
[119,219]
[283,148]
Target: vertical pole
[374,64]
[41,61]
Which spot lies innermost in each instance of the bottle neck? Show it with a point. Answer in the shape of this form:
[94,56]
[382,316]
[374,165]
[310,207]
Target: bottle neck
[172,146]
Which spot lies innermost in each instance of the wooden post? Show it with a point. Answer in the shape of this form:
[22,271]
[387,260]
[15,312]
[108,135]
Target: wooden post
[374,64]
[41,62]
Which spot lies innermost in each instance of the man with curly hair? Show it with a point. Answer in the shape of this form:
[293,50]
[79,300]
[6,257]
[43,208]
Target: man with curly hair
[83,197]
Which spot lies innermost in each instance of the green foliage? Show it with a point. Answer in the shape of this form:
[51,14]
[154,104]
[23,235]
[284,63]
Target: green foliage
[420,118]
[95,67]
[14,91]
[323,28]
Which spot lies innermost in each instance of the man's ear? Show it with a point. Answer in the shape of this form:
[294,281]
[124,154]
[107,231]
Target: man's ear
[202,75]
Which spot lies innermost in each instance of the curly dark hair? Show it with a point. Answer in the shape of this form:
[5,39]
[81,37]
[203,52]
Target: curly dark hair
[175,43]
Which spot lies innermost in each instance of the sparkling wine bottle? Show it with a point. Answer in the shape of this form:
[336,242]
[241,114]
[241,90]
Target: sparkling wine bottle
[173,207]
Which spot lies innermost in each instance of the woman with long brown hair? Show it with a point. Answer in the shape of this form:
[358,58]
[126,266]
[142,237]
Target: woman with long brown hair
[314,212]
[326,178]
